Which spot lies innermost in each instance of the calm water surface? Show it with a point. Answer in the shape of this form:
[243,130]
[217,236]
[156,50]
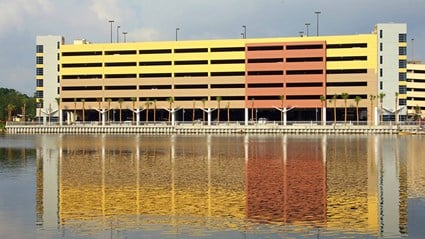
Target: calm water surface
[136,186]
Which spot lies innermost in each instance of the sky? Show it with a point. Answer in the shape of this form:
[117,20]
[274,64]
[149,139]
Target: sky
[156,20]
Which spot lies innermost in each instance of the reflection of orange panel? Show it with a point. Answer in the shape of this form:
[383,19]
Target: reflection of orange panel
[305,178]
[265,188]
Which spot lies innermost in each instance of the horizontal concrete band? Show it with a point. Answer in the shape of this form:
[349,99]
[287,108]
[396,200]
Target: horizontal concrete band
[222,129]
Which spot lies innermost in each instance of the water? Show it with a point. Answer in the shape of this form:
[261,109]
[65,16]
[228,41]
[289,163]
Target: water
[131,186]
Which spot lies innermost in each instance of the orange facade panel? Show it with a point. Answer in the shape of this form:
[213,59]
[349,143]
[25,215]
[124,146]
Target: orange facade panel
[299,66]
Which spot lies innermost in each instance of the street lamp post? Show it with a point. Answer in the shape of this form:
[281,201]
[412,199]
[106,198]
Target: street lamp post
[125,36]
[111,21]
[317,22]
[244,31]
[306,25]
[118,33]
[177,36]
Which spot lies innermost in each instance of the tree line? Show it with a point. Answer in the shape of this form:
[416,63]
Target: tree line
[15,104]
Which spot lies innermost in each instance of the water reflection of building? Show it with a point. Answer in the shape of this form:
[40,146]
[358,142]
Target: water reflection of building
[335,182]
[286,183]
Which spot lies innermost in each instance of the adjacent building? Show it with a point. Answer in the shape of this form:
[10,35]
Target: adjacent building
[288,78]
[416,90]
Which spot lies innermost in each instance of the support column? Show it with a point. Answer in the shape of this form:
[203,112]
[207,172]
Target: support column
[375,112]
[68,118]
[138,117]
[173,117]
[60,117]
[103,117]
[284,115]
[209,116]
[246,115]
[324,116]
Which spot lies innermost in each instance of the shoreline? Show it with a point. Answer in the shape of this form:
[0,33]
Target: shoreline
[215,129]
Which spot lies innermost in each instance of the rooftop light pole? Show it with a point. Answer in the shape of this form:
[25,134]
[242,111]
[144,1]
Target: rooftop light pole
[244,31]
[301,33]
[125,36]
[111,21]
[317,21]
[118,33]
[177,36]
[306,25]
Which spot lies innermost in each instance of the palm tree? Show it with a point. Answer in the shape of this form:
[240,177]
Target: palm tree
[228,113]
[133,100]
[40,101]
[154,111]
[84,109]
[322,100]
[282,104]
[381,101]
[193,111]
[345,97]
[75,109]
[120,103]
[109,108]
[99,101]
[333,100]
[147,103]
[417,114]
[58,102]
[357,100]
[203,112]
[10,108]
[372,99]
[252,108]
[24,109]
[218,98]
[395,108]
[170,101]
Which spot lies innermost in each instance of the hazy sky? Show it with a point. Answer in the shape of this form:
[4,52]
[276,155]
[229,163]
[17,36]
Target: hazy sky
[151,20]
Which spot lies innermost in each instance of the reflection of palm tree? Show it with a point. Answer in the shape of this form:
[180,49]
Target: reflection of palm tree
[372,99]
[381,101]
[40,101]
[357,100]
[120,103]
[345,96]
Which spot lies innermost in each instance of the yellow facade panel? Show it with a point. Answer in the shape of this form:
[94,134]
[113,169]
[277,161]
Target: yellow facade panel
[191,68]
[120,58]
[39,65]
[39,77]
[81,94]
[120,70]
[39,54]
[190,80]
[82,82]
[155,69]
[227,55]
[154,57]
[81,59]
[39,88]
[227,68]
[155,81]
[332,65]
[191,56]
[402,57]
[81,70]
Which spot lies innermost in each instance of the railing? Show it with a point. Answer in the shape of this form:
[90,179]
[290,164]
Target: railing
[221,123]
